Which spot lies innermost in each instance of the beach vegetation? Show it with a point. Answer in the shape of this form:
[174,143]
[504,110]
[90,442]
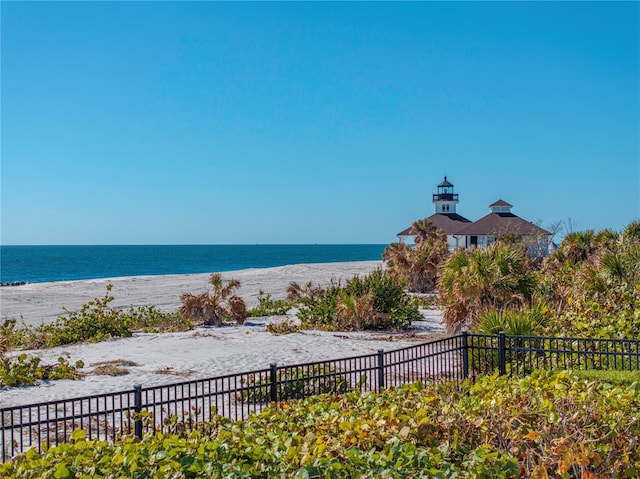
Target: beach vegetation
[354,311]
[592,285]
[217,306]
[286,326]
[418,266]
[267,306]
[95,321]
[114,367]
[297,292]
[110,370]
[171,371]
[609,376]
[477,280]
[589,287]
[376,301]
[428,301]
[523,322]
[149,319]
[548,424]
[24,370]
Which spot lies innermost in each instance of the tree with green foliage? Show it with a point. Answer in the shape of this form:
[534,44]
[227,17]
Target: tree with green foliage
[593,284]
[477,280]
[418,266]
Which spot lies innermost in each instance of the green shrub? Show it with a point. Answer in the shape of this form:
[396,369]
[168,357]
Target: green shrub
[11,336]
[149,319]
[319,311]
[514,323]
[338,307]
[95,321]
[27,371]
[270,307]
[614,317]
[545,425]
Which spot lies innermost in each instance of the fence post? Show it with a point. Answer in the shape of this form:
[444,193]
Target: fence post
[380,370]
[502,353]
[465,354]
[137,407]
[273,381]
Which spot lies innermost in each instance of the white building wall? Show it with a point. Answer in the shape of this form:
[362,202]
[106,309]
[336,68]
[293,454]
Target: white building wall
[441,207]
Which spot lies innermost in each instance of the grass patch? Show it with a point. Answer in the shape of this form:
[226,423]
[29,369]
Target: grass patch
[616,378]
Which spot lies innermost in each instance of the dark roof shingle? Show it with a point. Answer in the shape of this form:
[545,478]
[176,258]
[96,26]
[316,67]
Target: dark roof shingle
[500,203]
[450,223]
[497,224]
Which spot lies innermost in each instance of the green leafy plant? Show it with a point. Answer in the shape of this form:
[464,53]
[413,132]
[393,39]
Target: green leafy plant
[23,370]
[478,280]
[149,319]
[96,321]
[548,424]
[374,302]
[267,306]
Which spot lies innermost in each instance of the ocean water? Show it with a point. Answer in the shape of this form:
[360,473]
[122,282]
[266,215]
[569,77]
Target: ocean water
[37,264]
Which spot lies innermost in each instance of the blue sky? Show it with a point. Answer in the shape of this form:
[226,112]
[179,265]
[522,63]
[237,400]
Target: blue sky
[217,123]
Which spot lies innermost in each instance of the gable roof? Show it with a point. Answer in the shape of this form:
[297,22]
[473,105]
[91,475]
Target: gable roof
[450,223]
[500,203]
[496,224]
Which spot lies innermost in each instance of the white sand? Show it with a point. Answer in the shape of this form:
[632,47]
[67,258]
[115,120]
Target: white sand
[41,302]
[201,353]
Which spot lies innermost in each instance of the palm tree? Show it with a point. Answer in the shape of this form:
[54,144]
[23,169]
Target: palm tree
[619,266]
[418,266]
[606,238]
[480,279]
[632,232]
[399,259]
[424,230]
[296,292]
[215,307]
[355,312]
[579,246]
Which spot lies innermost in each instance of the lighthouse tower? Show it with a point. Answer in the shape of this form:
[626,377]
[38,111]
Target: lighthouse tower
[445,218]
[445,199]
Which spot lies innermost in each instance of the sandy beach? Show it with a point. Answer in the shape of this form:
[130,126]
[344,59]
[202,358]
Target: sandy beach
[202,352]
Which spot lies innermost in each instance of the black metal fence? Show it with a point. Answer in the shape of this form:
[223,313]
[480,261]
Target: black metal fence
[186,404]
[523,354]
